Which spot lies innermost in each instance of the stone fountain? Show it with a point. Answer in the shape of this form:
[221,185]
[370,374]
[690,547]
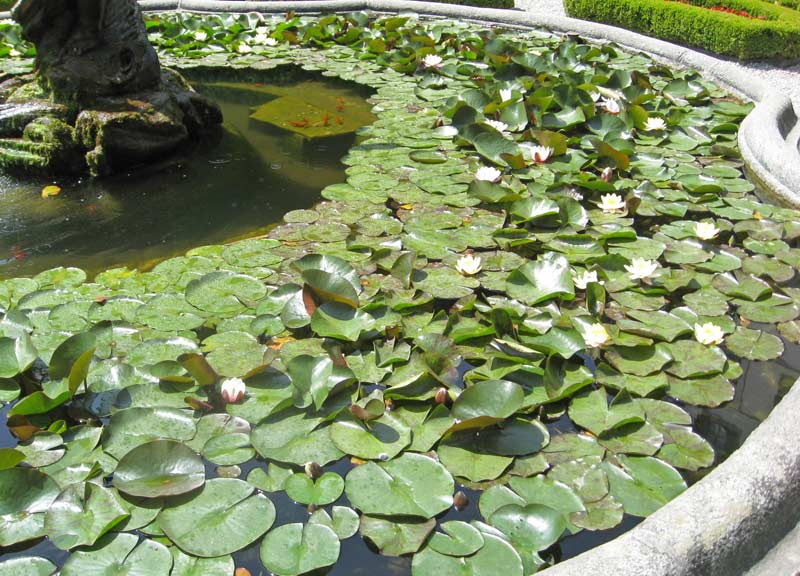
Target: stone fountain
[99,100]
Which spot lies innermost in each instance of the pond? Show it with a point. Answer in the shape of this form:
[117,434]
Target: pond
[543,303]
[237,184]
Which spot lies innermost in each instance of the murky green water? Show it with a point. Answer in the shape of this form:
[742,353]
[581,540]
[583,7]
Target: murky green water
[236,184]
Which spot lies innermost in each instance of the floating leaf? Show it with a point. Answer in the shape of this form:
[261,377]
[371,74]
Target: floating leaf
[321,491]
[411,485]
[25,497]
[754,344]
[122,553]
[643,484]
[81,514]
[294,549]
[395,538]
[159,468]
[224,506]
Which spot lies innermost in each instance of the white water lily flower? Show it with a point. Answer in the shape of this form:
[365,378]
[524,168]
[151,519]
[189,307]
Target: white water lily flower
[610,203]
[271,42]
[14,53]
[260,39]
[244,48]
[709,334]
[607,174]
[232,390]
[595,96]
[595,336]
[262,30]
[705,230]
[583,279]
[541,153]
[200,35]
[639,268]
[505,94]
[487,174]
[432,61]
[610,105]
[655,124]
[469,265]
[497,125]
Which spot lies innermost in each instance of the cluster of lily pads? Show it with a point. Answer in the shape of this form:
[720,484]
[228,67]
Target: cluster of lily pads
[543,249]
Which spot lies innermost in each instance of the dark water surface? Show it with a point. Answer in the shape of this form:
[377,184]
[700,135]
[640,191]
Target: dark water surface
[238,183]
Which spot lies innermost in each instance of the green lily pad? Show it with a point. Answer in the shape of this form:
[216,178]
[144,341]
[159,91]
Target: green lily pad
[459,539]
[643,484]
[754,344]
[224,293]
[293,437]
[395,538]
[324,490]
[27,566]
[133,427]
[344,521]
[411,485]
[224,506]
[229,449]
[122,553]
[497,556]
[25,497]
[294,549]
[185,565]
[380,439]
[487,402]
[531,527]
[159,468]
[542,280]
[81,514]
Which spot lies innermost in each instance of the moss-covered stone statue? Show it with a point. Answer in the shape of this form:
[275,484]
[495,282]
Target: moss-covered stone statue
[99,99]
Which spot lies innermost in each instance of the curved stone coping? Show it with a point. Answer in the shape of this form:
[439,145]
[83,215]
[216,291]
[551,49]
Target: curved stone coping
[724,524]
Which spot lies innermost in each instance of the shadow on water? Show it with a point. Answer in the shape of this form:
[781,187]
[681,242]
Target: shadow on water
[237,183]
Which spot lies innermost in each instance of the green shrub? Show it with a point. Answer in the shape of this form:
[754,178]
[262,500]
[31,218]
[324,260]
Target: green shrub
[6,4]
[776,36]
[481,3]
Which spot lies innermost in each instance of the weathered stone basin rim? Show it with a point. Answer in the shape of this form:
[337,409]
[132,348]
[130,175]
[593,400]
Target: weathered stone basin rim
[725,523]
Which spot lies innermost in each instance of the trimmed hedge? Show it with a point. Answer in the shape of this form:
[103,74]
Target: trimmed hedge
[777,36]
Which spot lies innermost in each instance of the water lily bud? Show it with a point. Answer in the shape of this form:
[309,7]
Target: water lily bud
[242,572]
[610,105]
[313,470]
[541,153]
[232,390]
[460,500]
[607,174]
[441,396]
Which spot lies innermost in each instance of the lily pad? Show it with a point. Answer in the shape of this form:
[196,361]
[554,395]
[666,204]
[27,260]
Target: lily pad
[411,485]
[25,497]
[395,538]
[81,514]
[294,549]
[122,553]
[224,506]
[324,490]
[159,468]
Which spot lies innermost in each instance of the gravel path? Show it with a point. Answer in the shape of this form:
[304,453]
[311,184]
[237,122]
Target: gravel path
[783,78]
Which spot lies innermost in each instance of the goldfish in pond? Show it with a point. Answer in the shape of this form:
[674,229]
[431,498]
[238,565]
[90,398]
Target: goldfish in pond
[18,253]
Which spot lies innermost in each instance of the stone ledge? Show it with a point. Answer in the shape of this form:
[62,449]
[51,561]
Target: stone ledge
[722,525]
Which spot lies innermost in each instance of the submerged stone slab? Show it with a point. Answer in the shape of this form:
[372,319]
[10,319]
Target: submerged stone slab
[304,118]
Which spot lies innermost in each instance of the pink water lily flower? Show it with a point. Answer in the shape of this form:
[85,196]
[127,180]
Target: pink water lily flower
[232,390]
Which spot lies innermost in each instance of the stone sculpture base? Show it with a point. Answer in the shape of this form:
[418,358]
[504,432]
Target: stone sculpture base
[41,135]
